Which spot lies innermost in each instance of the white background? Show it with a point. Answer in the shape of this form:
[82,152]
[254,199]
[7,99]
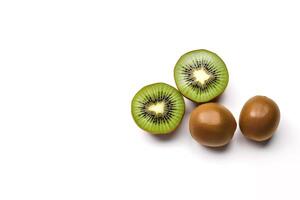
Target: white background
[68,72]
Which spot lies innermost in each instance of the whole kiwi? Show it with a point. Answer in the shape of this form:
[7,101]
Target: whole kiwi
[259,118]
[212,125]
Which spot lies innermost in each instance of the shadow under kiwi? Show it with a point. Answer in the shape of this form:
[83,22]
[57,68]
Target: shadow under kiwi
[166,137]
[217,150]
[263,144]
[219,98]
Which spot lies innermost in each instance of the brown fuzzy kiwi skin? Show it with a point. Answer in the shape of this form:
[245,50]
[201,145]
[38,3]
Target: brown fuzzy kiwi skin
[212,125]
[259,118]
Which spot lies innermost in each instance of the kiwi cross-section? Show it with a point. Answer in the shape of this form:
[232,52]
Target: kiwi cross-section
[201,75]
[158,108]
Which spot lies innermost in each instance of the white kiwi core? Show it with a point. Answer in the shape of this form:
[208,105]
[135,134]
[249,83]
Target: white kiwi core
[157,108]
[201,75]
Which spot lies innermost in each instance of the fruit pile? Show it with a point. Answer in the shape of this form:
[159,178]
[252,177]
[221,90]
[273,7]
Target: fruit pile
[201,76]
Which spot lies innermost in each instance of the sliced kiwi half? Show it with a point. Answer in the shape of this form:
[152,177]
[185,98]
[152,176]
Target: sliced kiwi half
[201,75]
[158,108]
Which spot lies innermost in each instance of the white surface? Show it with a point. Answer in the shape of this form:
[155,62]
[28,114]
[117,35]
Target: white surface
[68,72]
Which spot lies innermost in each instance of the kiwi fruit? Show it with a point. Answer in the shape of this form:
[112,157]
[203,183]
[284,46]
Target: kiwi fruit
[259,118]
[201,75]
[212,125]
[158,108]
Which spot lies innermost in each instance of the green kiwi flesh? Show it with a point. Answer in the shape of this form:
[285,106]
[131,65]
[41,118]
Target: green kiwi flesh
[158,108]
[201,75]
